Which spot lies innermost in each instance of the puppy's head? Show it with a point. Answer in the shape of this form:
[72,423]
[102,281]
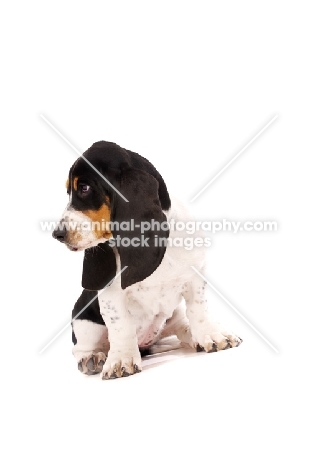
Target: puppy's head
[108,187]
[85,221]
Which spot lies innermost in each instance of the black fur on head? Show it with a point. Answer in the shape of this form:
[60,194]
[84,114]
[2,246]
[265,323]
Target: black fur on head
[141,184]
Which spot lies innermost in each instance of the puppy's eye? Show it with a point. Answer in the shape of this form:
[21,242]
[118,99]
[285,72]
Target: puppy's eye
[84,188]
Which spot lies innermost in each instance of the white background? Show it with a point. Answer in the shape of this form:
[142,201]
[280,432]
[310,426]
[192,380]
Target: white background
[187,85]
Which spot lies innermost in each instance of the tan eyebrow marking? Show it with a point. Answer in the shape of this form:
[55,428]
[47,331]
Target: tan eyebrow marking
[75,183]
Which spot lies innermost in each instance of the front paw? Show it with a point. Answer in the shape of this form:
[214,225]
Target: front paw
[93,363]
[119,365]
[216,340]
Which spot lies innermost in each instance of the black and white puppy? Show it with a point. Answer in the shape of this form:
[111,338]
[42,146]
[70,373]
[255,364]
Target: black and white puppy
[157,294]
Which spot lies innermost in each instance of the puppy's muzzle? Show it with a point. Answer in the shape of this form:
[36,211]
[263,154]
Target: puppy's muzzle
[60,234]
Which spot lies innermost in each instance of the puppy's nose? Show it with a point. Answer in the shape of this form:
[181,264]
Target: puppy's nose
[60,233]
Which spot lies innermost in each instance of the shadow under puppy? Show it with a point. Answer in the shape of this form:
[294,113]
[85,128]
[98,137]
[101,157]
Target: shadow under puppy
[138,286]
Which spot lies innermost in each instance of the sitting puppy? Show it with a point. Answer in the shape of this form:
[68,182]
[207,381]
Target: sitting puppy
[138,285]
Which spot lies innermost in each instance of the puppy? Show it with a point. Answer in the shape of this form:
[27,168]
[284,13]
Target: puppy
[140,285]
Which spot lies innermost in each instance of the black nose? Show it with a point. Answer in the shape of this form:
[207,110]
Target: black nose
[60,233]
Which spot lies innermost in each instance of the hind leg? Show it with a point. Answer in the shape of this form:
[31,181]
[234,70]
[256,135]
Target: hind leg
[178,325]
[89,334]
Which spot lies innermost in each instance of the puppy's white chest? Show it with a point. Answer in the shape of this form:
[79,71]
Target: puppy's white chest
[151,307]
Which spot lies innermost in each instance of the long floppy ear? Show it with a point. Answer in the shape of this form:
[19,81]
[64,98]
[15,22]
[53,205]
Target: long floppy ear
[143,256]
[99,267]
